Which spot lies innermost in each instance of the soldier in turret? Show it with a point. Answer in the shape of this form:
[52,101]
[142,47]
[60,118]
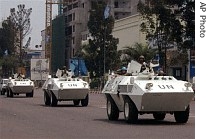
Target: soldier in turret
[143,64]
[19,76]
[64,72]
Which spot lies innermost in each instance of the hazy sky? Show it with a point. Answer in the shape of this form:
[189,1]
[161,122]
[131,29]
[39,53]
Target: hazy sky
[37,16]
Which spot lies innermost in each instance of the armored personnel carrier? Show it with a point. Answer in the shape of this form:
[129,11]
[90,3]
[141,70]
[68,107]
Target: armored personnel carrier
[147,93]
[19,85]
[65,88]
[3,86]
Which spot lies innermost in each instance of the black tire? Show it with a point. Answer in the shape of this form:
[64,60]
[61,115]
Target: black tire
[3,92]
[76,102]
[159,116]
[32,93]
[10,93]
[53,100]
[130,111]
[182,116]
[85,101]
[112,109]
[46,98]
[28,94]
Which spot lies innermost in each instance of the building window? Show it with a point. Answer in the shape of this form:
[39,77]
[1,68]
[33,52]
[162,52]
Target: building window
[70,18]
[68,30]
[75,5]
[65,10]
[69,7]
[83,5]
[73,51]
[66,19]
[178,73]
[116,5]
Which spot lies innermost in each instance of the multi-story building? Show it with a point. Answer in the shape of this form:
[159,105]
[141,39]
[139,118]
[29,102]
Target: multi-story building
[126,16]
[77,15]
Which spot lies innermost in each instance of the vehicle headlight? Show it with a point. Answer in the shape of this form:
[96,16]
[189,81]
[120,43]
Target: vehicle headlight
[187,85]
[149,85]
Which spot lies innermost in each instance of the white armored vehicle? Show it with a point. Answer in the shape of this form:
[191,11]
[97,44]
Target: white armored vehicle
[3,86]
[147,93]
[65,88]
[19,85]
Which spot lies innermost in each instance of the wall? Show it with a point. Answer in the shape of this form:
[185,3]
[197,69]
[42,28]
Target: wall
[128,31]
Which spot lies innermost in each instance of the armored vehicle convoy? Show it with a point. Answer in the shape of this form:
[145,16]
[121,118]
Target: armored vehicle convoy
[147,93]
[65,88]
[19,85]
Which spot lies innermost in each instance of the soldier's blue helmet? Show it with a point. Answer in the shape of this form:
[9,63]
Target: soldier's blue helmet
[123,68]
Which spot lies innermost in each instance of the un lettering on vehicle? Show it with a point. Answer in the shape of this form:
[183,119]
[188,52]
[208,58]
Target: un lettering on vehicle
[72,85]
[166,86]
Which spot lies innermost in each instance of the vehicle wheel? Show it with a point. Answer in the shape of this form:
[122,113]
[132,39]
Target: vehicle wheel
[32,93]
[159,115]
[46,98]
[53,100]
[27,94]
[76,102]
[85,101]
[182,116]
[111,109]
[130,111]
[10,93]
[3,92]
[7,92]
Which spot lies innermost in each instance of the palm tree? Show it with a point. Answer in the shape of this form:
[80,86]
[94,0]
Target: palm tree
[133,52]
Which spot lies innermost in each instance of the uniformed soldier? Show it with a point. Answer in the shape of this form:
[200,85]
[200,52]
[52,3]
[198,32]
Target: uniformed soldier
[143,64]
[64,72]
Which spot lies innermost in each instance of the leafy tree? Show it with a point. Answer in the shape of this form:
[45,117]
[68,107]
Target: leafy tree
[168,23]
[8,59]
[9,64]
[7,35]
[100,30]
[21,21]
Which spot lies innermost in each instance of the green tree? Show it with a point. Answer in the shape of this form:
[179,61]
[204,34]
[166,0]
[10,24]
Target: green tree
[102,42]
[8,60]
[169,23]
[8,64]
[7,38]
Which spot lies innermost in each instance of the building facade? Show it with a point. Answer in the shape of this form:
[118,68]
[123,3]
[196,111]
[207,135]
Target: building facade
[77,16]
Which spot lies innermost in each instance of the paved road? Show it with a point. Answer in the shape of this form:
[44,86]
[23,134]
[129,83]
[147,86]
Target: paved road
[29,118]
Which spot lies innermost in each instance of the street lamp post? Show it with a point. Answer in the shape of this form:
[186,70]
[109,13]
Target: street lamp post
[104,54]
[106,15]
